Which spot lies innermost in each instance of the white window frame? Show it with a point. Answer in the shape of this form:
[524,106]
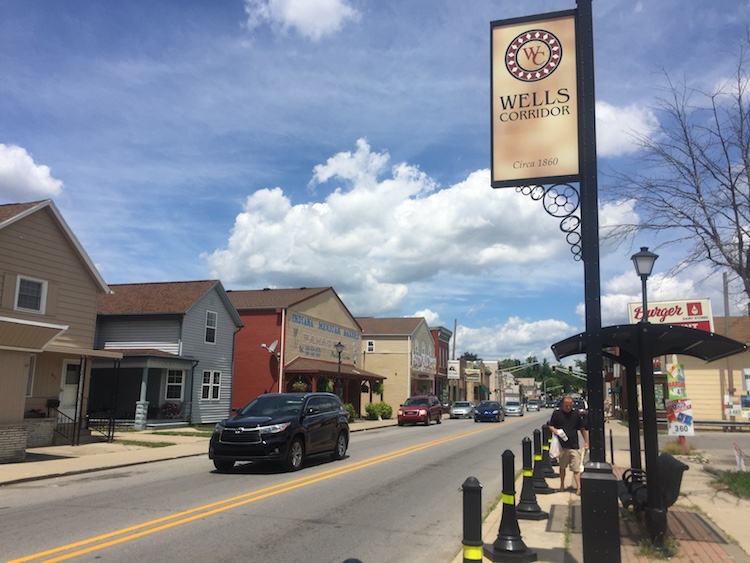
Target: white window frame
[30,377]
[211,389]
[370,345]
[169,385]
[42,298]
[211,328]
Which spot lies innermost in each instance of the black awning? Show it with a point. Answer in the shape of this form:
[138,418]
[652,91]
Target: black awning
[665,339]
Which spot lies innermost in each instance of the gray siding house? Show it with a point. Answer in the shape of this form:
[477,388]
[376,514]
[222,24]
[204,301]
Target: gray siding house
[177,342]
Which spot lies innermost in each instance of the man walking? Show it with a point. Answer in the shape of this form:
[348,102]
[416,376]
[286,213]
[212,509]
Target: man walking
[566,423]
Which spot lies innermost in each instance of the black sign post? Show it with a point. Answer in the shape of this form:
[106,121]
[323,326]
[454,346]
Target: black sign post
[599,512]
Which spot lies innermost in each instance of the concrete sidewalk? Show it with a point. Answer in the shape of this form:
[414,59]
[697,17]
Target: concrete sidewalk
[718,516]
[708,525]
[57,461]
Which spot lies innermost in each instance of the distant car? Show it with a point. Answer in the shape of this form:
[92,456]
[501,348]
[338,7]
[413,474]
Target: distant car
[490,411]
[550,404]
[420,408]
[532,405]
[513,408]
[462,409]
[283,427]
[578,404]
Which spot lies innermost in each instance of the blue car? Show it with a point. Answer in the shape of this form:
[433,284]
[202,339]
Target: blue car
[489,411]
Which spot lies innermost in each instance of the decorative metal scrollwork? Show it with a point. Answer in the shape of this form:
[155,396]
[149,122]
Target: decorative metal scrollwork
[561,201]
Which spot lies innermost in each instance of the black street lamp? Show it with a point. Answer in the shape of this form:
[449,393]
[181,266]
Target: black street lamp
[644,264]
[656,514]
[339,348]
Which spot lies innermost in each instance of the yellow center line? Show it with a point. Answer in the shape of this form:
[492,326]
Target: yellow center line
[184,517]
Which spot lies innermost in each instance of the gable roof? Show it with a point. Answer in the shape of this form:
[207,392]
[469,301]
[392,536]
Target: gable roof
[11,213]
[396,326]
[160,298]
[273,298]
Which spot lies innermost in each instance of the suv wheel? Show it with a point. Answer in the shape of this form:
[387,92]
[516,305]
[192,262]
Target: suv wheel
[295,456]
[223,464]
[341,444]
[427,420]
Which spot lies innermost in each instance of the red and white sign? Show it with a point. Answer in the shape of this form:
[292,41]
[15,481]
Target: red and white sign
[693,313]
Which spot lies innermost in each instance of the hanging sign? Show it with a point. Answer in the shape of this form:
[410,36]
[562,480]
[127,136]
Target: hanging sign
[534,100]
[680,417]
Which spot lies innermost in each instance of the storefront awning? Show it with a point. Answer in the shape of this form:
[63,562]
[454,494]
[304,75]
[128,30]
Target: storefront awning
[306,366]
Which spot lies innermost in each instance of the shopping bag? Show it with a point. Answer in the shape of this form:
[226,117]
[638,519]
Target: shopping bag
[555,449]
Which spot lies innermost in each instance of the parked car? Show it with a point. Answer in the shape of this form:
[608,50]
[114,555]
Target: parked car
[489,411]
[532,405]
[513,408]
[283,427]
[462,409]
[420,408]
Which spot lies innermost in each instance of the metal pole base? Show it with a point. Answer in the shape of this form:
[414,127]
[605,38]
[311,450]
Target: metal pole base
[600,515]
[656,525]
[496,555]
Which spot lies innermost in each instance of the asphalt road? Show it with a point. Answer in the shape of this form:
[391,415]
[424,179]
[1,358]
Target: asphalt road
[395,498]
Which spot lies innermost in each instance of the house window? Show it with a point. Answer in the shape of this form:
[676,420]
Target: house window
[370,345]
[175,385]
[31,294]
[30,377]
[211,327]
[211,385]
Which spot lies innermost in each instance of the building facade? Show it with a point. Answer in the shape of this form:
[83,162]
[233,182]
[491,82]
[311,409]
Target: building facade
[300,339]
[403,350]
[48,293]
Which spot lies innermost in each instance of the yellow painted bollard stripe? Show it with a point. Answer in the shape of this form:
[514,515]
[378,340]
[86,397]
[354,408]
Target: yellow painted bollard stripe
[472,553]
[528,473]
[509,499]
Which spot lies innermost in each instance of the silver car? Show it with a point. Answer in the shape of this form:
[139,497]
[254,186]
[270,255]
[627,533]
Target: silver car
[462,409]
[513,408]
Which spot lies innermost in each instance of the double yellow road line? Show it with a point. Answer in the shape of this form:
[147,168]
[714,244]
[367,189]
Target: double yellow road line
[76,549]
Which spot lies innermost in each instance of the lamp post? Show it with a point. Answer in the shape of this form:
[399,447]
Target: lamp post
[644,264]
[339,348]
[656,514]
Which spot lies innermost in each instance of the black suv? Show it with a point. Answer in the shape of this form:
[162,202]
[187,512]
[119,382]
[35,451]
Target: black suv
[284,427]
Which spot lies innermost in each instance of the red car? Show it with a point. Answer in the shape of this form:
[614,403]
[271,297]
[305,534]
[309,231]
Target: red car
[420,408]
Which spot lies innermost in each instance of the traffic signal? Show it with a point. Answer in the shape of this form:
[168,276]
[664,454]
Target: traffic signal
[570,370]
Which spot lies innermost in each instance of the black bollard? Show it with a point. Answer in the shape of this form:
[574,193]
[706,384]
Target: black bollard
[540,483]
[528,508]
[509,546]
[546,463]
[472,541]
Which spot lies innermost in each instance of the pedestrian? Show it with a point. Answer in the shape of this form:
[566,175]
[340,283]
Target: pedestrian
[566,423]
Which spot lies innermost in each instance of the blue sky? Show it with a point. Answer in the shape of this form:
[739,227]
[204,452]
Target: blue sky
[288,143]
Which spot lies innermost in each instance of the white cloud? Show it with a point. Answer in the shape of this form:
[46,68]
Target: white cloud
[516,338]
[387,229]
[311,18]
[615,127]
[21,179]
[431,317]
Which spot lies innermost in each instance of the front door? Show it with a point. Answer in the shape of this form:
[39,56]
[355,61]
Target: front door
[69,387]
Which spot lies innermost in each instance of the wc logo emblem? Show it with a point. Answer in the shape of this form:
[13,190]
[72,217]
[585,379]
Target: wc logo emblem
[533,55]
